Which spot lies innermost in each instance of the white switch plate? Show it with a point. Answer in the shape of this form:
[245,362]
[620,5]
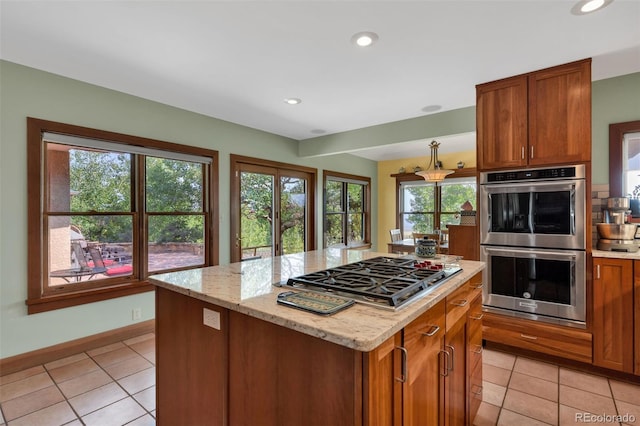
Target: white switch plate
[211,318]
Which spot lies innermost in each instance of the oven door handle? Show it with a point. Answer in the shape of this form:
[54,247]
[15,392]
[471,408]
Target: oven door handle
[543,254]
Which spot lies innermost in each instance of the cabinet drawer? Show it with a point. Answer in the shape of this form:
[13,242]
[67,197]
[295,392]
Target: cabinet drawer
[474,349]
[475,391]
[458,304]
[564,342]
[475,315]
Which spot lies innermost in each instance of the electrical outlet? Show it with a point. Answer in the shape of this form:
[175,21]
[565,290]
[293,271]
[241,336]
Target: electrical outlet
[136,314]
[211,318]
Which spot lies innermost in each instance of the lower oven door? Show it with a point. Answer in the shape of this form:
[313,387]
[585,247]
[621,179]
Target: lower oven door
[547,285]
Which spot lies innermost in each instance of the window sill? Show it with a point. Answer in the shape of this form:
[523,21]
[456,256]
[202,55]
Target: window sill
[61,301]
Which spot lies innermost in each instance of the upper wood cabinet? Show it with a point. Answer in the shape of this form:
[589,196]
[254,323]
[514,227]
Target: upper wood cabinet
[539,118]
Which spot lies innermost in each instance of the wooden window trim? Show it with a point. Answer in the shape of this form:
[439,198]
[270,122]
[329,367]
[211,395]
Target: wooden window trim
[616,138]
[236,161]
[36,300]
[412,177]
[367,201]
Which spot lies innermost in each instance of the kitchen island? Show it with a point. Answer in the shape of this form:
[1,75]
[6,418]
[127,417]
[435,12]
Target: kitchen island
[228,354]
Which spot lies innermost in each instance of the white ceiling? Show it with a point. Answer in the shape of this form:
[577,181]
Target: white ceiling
[237,60]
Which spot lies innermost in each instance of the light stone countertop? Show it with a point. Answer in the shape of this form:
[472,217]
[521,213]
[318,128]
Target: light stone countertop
[246,287]
[616,254]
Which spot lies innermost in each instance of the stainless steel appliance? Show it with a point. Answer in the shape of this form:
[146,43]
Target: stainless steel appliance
[544,207]
[533,239]
[385,282]
[615,234]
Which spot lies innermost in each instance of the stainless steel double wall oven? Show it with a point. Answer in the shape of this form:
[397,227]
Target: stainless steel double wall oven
[533,238]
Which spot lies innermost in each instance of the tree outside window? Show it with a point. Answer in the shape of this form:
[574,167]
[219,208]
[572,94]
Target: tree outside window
[116,208]
[346,210]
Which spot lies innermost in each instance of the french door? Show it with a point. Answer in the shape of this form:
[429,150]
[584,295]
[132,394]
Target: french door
[272,209]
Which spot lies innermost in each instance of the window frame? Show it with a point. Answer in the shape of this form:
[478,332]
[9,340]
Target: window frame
[616,148]
[39,300]
[345,179]
[402,178]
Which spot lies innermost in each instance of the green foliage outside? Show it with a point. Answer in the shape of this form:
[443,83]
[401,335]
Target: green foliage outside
[336,215]
[101,182]
[257,207]
[420,204]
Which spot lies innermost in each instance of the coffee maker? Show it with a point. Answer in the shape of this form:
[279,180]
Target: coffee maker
[615,233]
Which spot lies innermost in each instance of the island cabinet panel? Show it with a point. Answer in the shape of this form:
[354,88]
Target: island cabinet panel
[474,355]
[636,314]
[278,376]
[464,241]
[403,376]
[613,314]
[191,359]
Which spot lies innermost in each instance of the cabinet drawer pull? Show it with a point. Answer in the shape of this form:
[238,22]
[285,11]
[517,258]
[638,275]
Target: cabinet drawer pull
[477,317]
[432,331]
[462,302]
[403,377]
[478,392]
[523,152]
[478,351]
[445,371]
[477,286]
[598,272]
[453,358]
[531,151]
[527,336]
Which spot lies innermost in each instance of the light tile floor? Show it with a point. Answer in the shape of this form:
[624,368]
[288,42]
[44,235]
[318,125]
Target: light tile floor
[522,391]
[115,385]
[111,386]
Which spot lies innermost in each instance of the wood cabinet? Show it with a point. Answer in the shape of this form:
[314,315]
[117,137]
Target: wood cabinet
[474,354]
[191,360]
[636,319]
[539,118]
[551,339]
[613,314]
[246,371]
[464,241]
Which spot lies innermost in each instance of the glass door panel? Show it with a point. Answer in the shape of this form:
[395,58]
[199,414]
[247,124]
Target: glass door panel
[256,214]
[293,202]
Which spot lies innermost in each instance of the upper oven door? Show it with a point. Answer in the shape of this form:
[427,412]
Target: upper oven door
[534,214]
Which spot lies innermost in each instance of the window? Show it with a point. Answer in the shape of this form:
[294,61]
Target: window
[425,207]
[346,210]
[631,164]
[621,157]
[272,207]
[106,210]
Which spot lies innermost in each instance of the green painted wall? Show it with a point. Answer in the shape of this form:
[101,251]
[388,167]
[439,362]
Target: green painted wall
[614,100]
[26,92]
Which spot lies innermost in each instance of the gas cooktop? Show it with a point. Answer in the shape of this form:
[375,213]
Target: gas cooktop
[389,282]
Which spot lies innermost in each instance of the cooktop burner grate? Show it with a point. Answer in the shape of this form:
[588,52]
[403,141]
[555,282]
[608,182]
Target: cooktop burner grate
[385,281]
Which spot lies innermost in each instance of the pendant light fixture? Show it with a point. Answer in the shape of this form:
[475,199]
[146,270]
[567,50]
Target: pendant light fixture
[436,174]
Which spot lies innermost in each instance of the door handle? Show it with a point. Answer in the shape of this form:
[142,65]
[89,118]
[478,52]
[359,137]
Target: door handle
[403,374]
[453,359]
[445,371]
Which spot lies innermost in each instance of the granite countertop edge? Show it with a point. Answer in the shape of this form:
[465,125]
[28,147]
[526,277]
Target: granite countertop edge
[359,327]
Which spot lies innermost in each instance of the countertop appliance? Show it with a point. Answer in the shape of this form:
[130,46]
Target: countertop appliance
[533,239]
[615,234]
[384,282]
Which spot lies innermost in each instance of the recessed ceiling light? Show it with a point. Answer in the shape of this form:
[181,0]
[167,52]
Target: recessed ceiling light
[587,6]
[432,108]
[292,101]
[364,38]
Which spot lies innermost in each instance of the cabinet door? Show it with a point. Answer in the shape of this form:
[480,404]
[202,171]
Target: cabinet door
[382,384]
[636,293]
[501,123]
[190,360]
[423,341]
[613,314]
[474,355]
[560,114]
[455,381]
